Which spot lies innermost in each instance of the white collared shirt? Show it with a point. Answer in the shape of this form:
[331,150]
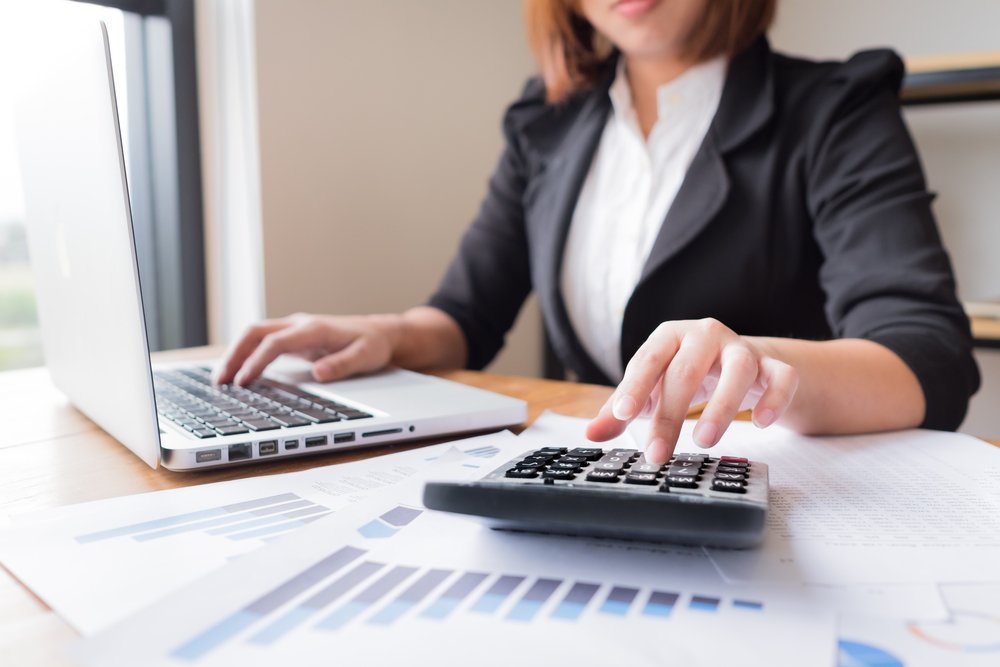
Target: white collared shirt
[630,186]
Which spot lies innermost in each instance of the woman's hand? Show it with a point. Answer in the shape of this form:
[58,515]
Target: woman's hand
[338,346]
[687,362]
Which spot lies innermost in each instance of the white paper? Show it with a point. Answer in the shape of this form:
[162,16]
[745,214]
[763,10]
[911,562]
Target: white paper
[969,638]
[910,506]
[254,613]
[96,563]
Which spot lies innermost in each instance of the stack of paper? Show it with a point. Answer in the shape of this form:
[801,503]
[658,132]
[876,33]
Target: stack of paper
[877,551]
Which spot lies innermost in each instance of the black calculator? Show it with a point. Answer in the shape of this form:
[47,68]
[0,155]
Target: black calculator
[693,499]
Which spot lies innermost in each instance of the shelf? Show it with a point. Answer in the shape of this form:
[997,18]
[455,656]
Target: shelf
[955,78]
[986,332]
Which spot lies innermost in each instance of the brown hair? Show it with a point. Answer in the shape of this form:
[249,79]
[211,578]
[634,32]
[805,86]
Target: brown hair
[570,52]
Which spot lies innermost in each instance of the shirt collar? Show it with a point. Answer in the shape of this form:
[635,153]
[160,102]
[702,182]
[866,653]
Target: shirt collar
[697,87]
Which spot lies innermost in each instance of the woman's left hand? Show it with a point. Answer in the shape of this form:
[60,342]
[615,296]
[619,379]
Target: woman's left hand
[686,362]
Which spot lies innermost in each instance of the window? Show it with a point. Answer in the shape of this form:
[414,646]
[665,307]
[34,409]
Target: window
[152,45]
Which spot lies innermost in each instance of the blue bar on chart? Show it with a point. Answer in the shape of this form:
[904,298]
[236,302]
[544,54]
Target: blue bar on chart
[311,605]
[576,600]
[299,519]
[266,604]
[366,598]
[748,604]
[410,597]
[453,595]
[496,594]
[619,600]
[703,603]
[528,606]
[660,603]
[222,524]
[388,524]
[485,452]
[187,517]
[267,514]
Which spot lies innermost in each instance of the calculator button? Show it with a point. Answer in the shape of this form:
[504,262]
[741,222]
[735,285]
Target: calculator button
[627,453]
[731,476]
[685,464]
[624,460]
[695,458]
[562,465]
[738,460]
[682,482]
[647,478]
[573,459]
[559,474]
[551,451]
[539,457]
[589,453]
[683,472]
[602,476]
[521,473]
[609,465]
[646,467]
[531,464]
[728,486]
[734,469]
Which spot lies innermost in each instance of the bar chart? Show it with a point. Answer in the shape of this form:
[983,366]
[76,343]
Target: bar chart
[260,518]
[347,588]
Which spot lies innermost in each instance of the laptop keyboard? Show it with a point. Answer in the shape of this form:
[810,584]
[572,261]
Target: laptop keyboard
[188,398]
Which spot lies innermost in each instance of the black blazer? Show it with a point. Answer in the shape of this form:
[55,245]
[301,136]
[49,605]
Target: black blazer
[804,214]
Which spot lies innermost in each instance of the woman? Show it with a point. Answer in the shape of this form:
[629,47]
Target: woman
[732,223]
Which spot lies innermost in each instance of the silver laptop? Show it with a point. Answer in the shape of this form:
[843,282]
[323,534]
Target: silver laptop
[83,256]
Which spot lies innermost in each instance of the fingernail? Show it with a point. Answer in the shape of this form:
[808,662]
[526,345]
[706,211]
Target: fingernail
[706,434]
[623,408]
[656,452]
[763,418]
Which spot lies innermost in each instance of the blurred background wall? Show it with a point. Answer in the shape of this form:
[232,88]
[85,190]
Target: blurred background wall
[379,126]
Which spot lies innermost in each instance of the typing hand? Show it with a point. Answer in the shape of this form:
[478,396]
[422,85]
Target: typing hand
[686,362]
[338,346]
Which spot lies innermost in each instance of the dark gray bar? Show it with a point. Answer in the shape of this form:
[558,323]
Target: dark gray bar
[581,593]
[622,594]
[400,516]
[541,590]
[467,583]
[345,583]
[390,580]
[304,580]
[504,585]
[423,586]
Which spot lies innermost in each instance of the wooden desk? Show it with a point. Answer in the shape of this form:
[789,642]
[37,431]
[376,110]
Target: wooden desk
[52,455]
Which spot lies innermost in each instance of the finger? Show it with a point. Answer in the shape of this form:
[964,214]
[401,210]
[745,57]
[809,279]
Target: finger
[684,375]
[780,383]
[644,371]
[273,345]
[737,377]
[604,426]
[242,348]
[359,356]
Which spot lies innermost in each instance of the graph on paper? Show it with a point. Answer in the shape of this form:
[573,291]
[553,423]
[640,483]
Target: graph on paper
[348,588]
[259,518]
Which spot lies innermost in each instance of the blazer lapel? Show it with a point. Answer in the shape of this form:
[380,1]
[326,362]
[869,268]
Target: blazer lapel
[564,144]
[747,105]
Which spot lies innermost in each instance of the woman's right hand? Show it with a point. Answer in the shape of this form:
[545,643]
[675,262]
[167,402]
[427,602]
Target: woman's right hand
[338,346]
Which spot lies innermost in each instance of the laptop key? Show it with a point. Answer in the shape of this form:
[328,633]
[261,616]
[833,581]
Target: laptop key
[317,416]
[203,433]
[260,424]
[231,430]
[289,420]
